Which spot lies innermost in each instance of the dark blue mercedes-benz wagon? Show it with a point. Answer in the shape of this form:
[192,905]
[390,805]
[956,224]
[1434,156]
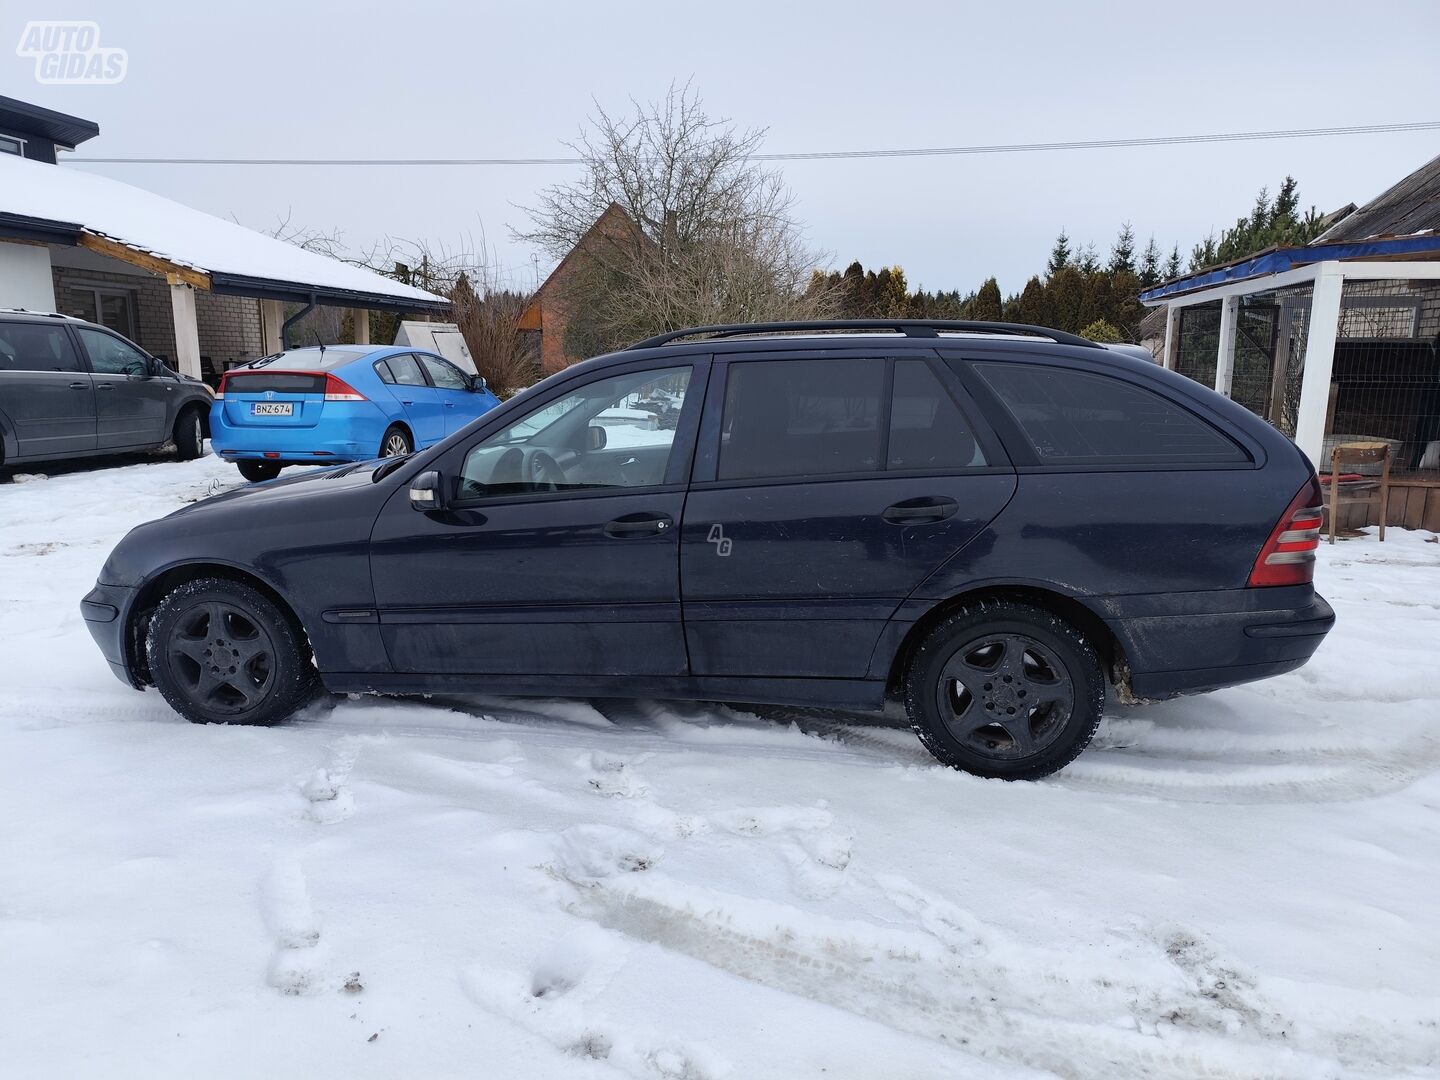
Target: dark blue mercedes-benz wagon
[991,522]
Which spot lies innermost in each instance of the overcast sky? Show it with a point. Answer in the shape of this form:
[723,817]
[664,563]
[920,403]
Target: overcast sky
[420,78]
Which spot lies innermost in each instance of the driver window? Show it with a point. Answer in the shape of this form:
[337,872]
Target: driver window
[611,433]
[111,356]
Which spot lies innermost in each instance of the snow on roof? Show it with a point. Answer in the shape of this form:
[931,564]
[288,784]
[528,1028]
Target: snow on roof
[177,233]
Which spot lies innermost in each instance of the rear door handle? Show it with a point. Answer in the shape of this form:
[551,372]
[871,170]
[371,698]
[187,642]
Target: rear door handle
[643,524]
[922,511]
[104,386]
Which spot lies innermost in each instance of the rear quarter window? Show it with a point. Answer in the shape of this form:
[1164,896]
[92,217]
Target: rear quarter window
[1078,417]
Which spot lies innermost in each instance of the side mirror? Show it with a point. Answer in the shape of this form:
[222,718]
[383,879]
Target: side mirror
[426,492]
[478,384]
[595,437]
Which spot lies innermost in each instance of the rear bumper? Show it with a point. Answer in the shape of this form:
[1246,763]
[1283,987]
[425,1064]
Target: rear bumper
[106,610]
[349,431]
[1204,641]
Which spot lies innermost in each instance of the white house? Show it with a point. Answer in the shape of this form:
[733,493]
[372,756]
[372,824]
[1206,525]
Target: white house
[196,290]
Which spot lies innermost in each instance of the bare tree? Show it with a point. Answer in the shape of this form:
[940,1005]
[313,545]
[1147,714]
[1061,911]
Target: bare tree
[483,305]
[711,234]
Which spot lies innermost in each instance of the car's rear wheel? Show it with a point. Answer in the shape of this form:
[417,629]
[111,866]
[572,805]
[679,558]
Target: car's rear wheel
[396,442]
[1005,690]
[256,471]
[189,434]
[222,652]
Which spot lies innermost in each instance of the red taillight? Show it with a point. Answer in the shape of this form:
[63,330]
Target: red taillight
[1288,557]
[340,390]
[220,390]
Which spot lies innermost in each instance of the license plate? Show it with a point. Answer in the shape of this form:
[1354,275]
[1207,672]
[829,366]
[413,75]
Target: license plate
[273,408]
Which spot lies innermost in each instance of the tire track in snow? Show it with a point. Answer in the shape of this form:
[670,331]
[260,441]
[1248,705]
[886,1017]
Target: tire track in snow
[949,988]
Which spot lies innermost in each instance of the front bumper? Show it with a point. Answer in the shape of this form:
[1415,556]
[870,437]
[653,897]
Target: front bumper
[106,610]
[1205,641]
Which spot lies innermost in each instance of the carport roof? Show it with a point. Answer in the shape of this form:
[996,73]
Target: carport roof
[61,204]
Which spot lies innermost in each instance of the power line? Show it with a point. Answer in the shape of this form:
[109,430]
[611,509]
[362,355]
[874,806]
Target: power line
[819,155]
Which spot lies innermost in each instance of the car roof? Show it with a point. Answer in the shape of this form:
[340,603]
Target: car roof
[889,335]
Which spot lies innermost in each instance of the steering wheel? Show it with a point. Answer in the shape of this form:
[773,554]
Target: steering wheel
[542,470]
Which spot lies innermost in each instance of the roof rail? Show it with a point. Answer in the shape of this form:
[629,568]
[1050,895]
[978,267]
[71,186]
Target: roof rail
[922,328]
[38,314]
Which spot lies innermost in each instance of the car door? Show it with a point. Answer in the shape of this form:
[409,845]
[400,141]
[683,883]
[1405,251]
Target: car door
[424,410]
[132,403]
[46,395]
[452,389]
[828,486]
[543,563]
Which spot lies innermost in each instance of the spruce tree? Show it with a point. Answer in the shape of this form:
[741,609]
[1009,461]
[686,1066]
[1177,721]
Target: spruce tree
[1122,254]
[1172,264]
[1059,255]
[1089,260]
[1150,264]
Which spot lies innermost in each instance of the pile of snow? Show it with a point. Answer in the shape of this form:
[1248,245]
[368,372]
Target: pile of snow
[1239,885]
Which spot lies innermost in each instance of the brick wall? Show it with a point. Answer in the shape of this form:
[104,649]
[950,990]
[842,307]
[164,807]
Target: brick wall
[229,329]
[229,325]
[154,323]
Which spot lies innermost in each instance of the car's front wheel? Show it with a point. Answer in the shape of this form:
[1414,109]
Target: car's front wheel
[1005,690]
[189,434]
[256,471]
[222,652]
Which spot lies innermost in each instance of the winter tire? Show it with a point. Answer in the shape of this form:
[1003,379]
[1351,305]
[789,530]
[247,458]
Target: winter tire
[1004,690]
[189,435]
[256,471]
[222,652]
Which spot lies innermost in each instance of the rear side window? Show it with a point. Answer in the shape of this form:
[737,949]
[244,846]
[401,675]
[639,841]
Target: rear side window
[406,371]
[801,418]
[927,428]
[36,347]
[1075,417]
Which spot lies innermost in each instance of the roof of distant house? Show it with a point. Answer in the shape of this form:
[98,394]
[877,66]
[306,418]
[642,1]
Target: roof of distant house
[1404,209]
[58,127]
[62,204]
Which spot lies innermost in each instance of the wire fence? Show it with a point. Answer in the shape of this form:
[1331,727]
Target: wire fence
[1385,382]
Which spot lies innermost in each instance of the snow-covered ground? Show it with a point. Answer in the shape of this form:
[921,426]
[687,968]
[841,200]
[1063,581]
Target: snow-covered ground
[1240,885]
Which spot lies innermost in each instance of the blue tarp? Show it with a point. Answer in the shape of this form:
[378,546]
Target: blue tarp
[1275,262]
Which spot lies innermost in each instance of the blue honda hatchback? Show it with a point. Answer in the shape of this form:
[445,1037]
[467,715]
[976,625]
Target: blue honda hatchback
[340,403]
[998,525]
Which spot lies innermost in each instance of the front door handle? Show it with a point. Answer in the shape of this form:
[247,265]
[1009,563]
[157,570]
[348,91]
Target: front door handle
[105,386]
[922,511]
[643,524]
[78,385]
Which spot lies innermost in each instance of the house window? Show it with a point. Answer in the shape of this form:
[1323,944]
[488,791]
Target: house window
[114,308]
[9,144]
[1396,319]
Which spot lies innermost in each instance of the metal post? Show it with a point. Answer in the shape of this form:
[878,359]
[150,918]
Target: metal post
[1225,356]
[1319,361]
